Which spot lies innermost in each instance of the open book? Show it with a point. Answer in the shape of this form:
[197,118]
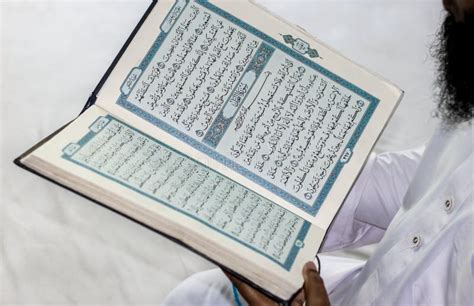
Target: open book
[227,130]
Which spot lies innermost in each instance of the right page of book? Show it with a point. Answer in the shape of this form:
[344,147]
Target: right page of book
[258,100]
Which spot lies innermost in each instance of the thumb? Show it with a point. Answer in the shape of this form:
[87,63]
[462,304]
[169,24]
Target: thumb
[313,286]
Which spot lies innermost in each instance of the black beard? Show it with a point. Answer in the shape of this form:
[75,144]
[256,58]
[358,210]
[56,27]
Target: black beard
[454,51]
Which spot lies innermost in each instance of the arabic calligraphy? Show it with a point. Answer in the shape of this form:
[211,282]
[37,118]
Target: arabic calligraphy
[250,102]
[145,165]
[295,129]
[195,70]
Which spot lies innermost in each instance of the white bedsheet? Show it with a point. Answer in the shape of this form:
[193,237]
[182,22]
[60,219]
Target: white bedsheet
[57,247]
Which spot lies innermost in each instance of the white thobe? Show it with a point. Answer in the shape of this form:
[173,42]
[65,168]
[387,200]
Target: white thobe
[418,205]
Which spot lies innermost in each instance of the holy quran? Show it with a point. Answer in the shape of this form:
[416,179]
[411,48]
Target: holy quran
[228,130]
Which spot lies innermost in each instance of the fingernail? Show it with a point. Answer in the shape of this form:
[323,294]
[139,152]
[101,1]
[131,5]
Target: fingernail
[310,266]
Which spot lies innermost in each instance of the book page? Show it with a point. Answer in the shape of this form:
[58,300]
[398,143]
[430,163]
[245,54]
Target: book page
[253,98]
[196,199]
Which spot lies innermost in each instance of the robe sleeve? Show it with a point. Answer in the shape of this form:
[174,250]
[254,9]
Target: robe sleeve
[373,201]
[460,275]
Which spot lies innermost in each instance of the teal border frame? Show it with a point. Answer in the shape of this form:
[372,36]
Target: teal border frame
[309,209]
[288,262]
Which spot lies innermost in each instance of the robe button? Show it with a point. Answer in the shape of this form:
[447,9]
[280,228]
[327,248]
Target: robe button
[416,241]
[448,205]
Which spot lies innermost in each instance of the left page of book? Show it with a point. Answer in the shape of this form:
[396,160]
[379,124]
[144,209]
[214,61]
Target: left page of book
[116,164]
[254,98]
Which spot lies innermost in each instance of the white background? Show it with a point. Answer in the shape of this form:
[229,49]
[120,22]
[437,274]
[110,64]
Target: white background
[57,247]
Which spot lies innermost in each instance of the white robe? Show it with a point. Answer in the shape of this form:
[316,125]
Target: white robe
[418,206]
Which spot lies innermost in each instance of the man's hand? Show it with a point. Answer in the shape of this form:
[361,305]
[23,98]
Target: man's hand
[313,291]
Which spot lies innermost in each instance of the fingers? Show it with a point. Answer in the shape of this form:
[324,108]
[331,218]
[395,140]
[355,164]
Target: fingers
[299,299]
[251,295]
[314,292]
[313,286]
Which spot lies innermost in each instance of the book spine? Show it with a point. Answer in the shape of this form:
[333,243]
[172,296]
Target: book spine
[89,103]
